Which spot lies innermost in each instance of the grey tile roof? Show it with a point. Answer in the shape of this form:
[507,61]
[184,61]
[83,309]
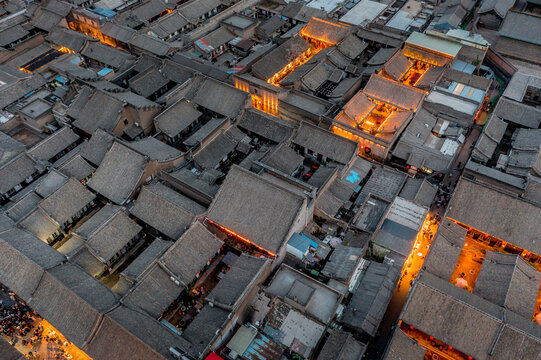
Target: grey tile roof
[518,113]
[277,59]
[211,155]
[221,98]
[5,222]
[149,9]
[509,281]
[47,148]
[415,144]
[58,7]
[107,55]
[341,345]
[78,103]
[237,281]
[150,44]
[284,159]
[67,201]
[191,253]
[93,224]
[393,93]
[148,82]
[516,89]
[381,56]
[419,190]
[117,31]
[193,10]
[492,135]
[343,262]
[24,259]
[9,148]
[166,210]
[50,182]
[332,32]
[169,24]
[77,167]
[201,183]
[16,171]
[40,224]
[397,66]
[95,149]
[445,250]
[271,25]
[356,109]
[250,206]
[203,328]
[137,101]
[70,39]
[12,34]
[527,140]
[155,149]
[125,328]
[475,81]
[402,347]
[352,46]
[384,182]
[119,173]
[478,331]
[500,7]
[216,38]
[154,292]
[9,352]
[22,87]
[369,303]
[85,118]
[146,258]
[81,256]
[72,301]
[177,118]
[505,221]
[112,235]
[176,72]
[23,207]
[323,142]
[45,20]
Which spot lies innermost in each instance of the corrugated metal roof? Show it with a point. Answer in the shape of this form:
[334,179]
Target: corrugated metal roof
[242,339]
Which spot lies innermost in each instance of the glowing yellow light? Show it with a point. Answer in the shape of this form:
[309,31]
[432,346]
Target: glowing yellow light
[65,50]
[242,238]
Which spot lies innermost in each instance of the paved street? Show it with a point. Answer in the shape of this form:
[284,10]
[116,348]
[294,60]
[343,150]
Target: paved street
[49,346]
[414,262]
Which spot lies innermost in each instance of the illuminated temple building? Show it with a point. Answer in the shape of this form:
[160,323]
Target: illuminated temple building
[376,116]
[314,60]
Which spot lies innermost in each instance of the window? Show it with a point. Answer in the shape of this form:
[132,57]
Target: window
[125,121]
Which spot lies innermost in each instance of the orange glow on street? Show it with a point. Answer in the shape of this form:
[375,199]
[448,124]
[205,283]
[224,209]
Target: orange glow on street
[70,350]
[433,346]
[472,255]
[289,68]
[416,258]
[241,238]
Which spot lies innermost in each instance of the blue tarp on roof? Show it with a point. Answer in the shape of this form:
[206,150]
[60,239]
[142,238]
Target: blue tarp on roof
[104,12]
[104,71]
[300,242]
